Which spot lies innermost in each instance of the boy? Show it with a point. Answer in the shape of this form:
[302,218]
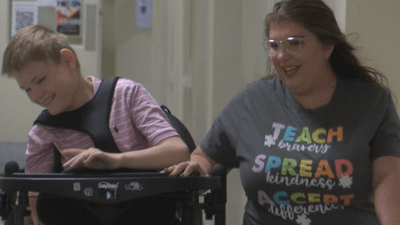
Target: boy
[47,69]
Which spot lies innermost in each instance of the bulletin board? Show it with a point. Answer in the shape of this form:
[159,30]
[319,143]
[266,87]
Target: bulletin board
[63,16]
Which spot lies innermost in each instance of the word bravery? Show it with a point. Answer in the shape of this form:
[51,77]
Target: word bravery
[293,140]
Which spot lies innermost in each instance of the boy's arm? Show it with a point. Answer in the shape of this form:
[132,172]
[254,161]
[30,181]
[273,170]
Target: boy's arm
[39,152]
[167,152]
[39,160]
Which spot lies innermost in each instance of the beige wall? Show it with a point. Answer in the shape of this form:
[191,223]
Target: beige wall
[129,51]
[133,49]
[16,111]
[377,26]
[131,56]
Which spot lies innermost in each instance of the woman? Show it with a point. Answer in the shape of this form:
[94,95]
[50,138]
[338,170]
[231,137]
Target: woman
[316,143]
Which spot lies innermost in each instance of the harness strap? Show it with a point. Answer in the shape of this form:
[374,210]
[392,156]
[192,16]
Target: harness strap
[92,118]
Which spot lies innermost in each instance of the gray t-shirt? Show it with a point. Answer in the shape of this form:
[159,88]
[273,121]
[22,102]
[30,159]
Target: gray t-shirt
[306,166]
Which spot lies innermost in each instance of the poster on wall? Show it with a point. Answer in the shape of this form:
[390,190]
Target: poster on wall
[68,15]
[24,14]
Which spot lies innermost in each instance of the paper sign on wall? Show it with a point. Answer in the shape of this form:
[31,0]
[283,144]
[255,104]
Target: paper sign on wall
[143,13]
[24,14]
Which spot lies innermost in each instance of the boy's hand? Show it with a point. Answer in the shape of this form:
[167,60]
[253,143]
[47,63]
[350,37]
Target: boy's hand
[91,158]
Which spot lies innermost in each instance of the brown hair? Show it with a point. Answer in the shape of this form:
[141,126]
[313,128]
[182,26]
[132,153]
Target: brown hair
[34,43]
[318,18]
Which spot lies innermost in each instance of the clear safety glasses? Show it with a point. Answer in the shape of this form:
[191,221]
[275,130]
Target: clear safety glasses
[292,45]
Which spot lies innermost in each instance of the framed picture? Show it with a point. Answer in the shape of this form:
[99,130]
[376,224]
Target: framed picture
[68,17]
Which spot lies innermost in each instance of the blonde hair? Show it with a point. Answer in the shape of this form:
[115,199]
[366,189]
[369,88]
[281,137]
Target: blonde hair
[35,43]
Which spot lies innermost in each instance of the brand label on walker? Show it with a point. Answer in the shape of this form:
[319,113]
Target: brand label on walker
[77,186]
[108,190]
[133,186]
[88,192]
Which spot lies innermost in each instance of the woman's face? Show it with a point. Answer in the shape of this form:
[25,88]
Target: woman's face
[308,69]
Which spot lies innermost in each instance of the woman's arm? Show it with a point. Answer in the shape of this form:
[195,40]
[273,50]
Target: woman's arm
[386,187]
[166,153]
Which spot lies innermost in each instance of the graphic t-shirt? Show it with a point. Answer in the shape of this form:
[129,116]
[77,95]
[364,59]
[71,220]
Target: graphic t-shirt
[301,166]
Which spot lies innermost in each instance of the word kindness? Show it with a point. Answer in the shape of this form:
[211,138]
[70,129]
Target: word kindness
[300,173]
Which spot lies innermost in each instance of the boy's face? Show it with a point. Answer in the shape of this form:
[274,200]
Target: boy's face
[55,87]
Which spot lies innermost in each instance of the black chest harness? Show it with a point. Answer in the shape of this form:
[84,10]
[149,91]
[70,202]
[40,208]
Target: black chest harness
[92,118]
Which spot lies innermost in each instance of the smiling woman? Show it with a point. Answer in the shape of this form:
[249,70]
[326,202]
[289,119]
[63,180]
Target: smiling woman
[300,138]
[306,72]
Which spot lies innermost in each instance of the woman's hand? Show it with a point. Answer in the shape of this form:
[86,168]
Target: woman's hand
[185,169]
[199,162]
[92,158]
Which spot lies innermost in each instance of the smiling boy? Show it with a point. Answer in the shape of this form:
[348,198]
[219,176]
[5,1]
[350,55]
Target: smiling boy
[47,69]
